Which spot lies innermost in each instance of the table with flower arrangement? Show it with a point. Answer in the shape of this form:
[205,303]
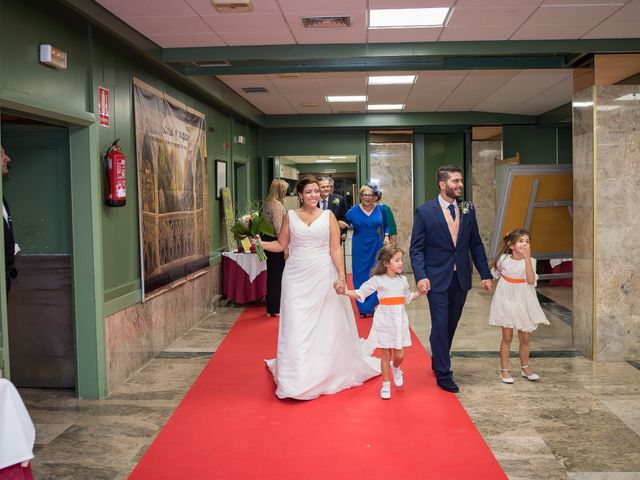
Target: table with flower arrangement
[244,277]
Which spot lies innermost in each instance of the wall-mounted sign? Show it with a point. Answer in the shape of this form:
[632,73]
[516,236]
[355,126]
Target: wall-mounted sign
[103,106]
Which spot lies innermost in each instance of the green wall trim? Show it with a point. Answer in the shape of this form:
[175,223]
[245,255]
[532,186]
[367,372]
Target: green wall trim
[125,301]
[416,49]
[86,203]
[215,259]
[126,289]
[396,120]
[43,108]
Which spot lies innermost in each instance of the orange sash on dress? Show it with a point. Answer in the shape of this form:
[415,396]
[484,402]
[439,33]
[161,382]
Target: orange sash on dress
[513,280]
[392,301]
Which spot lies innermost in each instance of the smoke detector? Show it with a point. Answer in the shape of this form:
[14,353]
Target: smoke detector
[326,22]
[232,6]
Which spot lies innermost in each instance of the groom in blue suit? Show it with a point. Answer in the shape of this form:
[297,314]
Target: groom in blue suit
[445,232]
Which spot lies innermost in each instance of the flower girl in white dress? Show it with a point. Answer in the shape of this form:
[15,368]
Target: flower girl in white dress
[390,329]
[515,303]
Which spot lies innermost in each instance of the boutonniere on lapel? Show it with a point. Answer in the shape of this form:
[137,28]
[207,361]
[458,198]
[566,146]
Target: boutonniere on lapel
[465,207]
[335,201]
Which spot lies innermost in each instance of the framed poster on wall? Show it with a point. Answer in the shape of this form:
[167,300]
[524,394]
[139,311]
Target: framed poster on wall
[221,177]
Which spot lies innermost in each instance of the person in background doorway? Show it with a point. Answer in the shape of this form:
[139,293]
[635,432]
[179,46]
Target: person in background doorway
[332,201]
[273,208]
[370,233]
[389,218]
[10,246]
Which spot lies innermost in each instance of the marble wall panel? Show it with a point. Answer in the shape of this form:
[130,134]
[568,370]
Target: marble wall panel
[136,334]
[391,167]
[583,225]
[617,179]
[484,153]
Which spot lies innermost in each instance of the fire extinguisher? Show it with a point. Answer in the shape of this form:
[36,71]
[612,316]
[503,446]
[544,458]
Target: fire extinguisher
[115,193]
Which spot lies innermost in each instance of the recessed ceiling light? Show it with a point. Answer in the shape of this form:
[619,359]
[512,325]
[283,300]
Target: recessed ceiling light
[346,98]
[392,80]
[386,106]
[407,17]
[324,161]
[338,157]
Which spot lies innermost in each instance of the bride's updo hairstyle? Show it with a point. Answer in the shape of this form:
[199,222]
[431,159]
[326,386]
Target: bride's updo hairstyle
[302,183]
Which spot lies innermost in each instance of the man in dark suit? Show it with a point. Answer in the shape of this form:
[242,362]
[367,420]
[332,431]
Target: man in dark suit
[333,202]
[445,232]
[9,242]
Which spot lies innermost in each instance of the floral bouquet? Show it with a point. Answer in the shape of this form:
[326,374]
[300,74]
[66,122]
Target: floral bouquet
[249,226]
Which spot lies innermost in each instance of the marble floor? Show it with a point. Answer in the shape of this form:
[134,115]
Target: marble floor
[581,421]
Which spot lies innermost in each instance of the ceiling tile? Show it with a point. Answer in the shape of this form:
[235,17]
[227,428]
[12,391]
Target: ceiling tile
[477,33]
[550,32]
[307,6]
[357,107]
[551,98]
[342,85]
[286,86]
[583,2]
[388,93]
[147,8]
[498,3]
[482,16]
[185,41]
[168,25]
[390,35]
[526,85]
[568,15]
[432,88]
[330,35]
[475,87]
[382,4]
[622,24]
[205,7]
[280,37]
[247,23]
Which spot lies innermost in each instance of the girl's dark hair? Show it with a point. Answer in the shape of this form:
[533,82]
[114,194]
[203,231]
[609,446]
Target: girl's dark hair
[509,239]
[304,181]
[384,256]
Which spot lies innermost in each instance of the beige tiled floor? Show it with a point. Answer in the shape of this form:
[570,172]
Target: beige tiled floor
[580,421]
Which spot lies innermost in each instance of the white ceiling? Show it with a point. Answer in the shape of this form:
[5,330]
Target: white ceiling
[195,23]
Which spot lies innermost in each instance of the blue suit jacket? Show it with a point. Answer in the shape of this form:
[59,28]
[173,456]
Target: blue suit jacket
[433,254]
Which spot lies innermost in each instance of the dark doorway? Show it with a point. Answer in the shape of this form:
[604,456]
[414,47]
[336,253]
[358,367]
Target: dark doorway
[39,304]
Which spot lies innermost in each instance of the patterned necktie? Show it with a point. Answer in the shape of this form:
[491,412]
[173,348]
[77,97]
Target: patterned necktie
[452,209]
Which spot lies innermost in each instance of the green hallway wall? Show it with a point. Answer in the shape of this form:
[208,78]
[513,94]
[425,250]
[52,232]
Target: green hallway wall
[69,97]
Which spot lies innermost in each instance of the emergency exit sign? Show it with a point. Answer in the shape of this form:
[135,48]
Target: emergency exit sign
[103,106]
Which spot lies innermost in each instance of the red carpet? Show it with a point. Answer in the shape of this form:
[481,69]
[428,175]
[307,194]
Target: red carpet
[231,426]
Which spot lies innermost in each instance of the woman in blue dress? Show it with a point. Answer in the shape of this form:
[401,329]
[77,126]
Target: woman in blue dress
[370,233]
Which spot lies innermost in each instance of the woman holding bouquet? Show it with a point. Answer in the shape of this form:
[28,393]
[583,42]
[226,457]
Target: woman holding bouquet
[274,211]
[319,351]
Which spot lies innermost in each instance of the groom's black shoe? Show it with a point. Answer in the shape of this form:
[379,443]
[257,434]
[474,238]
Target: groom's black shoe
[448,385]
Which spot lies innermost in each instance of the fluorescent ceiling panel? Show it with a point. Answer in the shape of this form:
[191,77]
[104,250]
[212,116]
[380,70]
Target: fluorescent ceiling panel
[407,17]
[346,98]
[386,106]
[392,80]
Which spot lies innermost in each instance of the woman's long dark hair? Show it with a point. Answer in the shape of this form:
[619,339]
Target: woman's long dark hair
[508,240]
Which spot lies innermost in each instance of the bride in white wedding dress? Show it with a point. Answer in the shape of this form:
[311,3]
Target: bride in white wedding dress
[319,351]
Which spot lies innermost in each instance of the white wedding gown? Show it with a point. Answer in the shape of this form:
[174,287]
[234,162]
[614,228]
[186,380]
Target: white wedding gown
[319,351]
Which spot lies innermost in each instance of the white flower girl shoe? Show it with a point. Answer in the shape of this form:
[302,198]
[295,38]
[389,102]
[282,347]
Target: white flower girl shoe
[533,377]
[508,379]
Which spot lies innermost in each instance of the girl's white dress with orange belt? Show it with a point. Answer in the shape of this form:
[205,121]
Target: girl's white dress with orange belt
[390,321]
[515,303]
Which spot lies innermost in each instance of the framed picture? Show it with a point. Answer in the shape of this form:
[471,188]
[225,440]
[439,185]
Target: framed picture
[221,177]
